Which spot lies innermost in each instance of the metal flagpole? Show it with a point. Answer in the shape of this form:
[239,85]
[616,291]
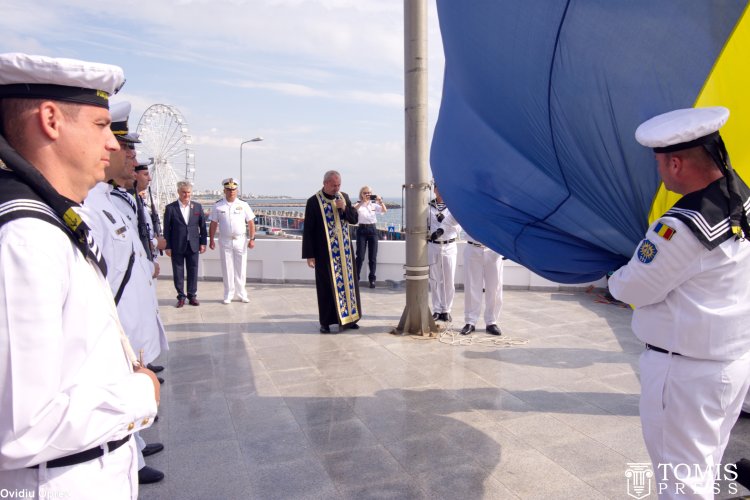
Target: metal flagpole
[416,318]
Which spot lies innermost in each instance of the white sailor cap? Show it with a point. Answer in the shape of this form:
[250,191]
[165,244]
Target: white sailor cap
[143,165]
[120,111]
[229,183]
[40,77]
[682,128]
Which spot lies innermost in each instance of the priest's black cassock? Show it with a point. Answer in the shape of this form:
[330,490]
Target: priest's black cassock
[326,239]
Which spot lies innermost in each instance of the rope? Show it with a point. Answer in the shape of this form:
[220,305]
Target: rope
[453,338]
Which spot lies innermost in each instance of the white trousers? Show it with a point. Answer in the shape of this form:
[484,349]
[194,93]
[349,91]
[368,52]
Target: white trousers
[139,445]
[688,407]
[442,260]
[483,270]
[234,267]
[112,476]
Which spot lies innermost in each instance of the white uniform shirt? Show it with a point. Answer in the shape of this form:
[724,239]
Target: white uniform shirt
[232,218]
[450,225]
[688,299]
[115,228]
[367,212]
[66,384]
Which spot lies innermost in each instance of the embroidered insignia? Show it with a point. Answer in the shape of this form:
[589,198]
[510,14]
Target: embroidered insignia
[121,230]
[647,251]
[664,231]
[109,216]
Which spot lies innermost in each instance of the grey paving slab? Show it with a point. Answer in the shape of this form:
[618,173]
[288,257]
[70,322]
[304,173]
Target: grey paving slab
[258,405]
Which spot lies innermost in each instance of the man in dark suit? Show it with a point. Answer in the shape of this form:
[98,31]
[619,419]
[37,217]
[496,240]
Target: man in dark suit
[185,232]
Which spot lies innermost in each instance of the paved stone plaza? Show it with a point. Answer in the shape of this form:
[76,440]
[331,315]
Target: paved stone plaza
[258,405]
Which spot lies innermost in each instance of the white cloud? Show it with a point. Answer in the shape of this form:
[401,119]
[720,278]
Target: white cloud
[322,80]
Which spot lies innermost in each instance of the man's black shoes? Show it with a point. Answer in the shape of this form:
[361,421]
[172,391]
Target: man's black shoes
[354,326]
[154,368]
[148,475]
[493,330]
[467,329]
[324,329]
[372,284]
[445,317]
[151,449]
[435,316]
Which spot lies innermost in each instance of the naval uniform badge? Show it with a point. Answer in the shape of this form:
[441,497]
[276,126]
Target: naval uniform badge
[647,251]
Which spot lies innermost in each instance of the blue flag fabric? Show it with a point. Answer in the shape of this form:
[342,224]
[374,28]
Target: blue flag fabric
[534,148]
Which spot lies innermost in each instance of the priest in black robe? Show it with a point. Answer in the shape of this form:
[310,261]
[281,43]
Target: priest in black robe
[327,246]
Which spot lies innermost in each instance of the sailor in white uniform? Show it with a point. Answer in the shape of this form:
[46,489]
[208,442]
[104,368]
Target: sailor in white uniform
[688,282]
[71,389]
[116,226]
[441,255]
[110,210]
[236,223]
[483,275]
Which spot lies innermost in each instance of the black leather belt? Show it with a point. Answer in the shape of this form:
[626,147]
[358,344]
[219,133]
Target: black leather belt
[663,351]
[475,244]
[366,225]
[442,242]
[84,456]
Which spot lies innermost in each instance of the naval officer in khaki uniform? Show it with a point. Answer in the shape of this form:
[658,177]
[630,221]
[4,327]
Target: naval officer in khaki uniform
[71,388]
[688,281]
[235,221]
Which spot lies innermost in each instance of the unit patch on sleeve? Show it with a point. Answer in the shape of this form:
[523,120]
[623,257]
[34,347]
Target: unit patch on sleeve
[664,231]
[646,252]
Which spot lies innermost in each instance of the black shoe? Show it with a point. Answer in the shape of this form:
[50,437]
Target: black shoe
[193,302]
[156,418]
[161,380]
[493,330]
[151,449]
[180,303]
[324,329]
[744,414]
[148,475]
[445,317]
[435,316]
[154,368]
[372,284]
[743,472]
[467,329]
[354,326]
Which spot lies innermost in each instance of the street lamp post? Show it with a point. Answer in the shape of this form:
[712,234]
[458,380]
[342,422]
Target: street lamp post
[257,139]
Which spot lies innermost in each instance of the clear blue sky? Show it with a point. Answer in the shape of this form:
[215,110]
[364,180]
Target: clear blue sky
[320,80]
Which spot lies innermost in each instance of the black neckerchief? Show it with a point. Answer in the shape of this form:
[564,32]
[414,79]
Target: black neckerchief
[25,185]
[707,212]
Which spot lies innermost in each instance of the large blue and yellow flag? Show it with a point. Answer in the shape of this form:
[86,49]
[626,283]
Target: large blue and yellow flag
[534,148]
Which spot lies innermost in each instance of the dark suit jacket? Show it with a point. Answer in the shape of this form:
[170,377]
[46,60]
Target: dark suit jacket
[184,238]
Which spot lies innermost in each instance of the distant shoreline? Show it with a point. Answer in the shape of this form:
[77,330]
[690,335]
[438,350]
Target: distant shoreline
[275,202]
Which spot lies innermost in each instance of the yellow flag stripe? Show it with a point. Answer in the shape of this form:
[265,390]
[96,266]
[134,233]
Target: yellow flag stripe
[727,85]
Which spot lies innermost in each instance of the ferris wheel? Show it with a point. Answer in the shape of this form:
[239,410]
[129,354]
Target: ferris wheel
[165,138]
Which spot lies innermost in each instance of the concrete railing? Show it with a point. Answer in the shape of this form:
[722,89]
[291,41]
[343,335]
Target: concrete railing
[280,261]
